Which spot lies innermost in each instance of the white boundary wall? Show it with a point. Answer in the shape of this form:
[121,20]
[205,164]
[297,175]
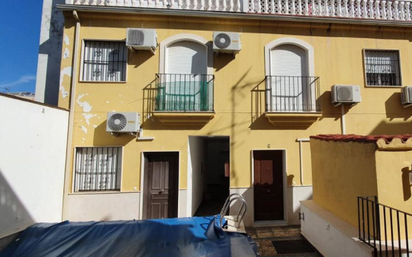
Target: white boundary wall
[33,141]
[330,235]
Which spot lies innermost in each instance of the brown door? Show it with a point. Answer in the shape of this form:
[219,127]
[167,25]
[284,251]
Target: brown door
[161,185]
[268,185]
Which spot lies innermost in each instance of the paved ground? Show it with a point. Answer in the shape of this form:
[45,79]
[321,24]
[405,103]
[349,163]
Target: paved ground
[288,239]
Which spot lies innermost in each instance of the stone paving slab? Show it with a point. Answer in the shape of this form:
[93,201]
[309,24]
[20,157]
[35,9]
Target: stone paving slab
[263,236]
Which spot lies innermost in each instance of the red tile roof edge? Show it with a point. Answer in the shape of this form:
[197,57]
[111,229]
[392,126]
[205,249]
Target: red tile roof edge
[359,138]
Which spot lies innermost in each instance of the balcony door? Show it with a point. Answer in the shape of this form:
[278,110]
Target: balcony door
[184,86]
[289,83]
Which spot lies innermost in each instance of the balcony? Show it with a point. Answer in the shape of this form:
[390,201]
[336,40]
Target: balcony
[183,98]
[338,10]
[290,101]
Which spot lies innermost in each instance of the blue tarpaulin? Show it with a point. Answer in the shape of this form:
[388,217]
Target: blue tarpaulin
[197,236]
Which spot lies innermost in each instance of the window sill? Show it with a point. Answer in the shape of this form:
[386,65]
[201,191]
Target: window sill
[292,119]
[104,82]
[373,86]
[102,192]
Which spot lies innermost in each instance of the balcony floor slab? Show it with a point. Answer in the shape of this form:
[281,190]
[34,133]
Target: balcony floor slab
[184,118]
[292,119]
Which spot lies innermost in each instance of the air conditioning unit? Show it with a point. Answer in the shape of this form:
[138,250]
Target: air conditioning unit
[345,94]
[406,96]
[226,42]
[123,122]
[141,39]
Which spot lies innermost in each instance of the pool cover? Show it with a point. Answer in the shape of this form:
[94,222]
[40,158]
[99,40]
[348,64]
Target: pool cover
[197,236]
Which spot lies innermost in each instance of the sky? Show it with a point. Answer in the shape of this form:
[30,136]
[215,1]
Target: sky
[19,44]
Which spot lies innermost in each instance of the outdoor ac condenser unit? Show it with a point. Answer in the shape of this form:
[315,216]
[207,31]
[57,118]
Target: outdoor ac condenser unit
[226,42]
[345,94]
[141,39]
[406,96]
[123,122]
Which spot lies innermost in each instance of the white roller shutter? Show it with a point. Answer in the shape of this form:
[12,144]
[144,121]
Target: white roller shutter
[186,57]
[288,60]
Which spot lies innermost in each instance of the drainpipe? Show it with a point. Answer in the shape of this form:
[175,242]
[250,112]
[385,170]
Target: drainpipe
[71,111]
[301,140]
[342,120]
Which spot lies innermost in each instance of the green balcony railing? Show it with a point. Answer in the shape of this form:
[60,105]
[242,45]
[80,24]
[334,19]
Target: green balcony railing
[184,92]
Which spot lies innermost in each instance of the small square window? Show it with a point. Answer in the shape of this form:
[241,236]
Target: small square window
[104,61]
[97,169]
[382,68]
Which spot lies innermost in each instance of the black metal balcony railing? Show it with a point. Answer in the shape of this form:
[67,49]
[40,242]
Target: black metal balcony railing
[184,92]
[383,228]
[292,94]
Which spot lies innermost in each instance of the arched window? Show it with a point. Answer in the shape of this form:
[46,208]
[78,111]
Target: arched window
[290,76]
[186,74]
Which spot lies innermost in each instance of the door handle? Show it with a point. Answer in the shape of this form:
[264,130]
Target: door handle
[161,191]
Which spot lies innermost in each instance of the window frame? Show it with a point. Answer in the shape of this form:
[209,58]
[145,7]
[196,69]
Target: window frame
[73,179]
[399,64]
[82,60]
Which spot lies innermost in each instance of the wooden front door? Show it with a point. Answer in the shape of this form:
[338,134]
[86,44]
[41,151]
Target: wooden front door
[268,185]
[161,185]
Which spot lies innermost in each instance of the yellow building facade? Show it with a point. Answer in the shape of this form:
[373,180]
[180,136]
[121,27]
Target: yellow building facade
[246,125]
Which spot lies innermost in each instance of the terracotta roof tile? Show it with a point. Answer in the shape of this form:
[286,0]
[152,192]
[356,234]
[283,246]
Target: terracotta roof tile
[361,139]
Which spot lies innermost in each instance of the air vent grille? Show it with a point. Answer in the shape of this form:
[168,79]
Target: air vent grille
[117,122]
[135,37]
[345,94]
[222,40]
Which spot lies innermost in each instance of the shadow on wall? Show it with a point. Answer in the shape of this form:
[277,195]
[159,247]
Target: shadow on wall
[235,207]
[137,58]
[406,184]
[14,217]
[221,60]
[292,205]
[392,128]
[103,138]
[395,110]
[258,108]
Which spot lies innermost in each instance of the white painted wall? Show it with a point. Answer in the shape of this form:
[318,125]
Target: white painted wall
[50,52]
[331,236]
[295,194]
[182,204]
[197,159]
[32,159]
[102,206]
[247,194]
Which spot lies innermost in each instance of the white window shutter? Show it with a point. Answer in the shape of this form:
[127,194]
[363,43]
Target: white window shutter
[288,60]
[186,57]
